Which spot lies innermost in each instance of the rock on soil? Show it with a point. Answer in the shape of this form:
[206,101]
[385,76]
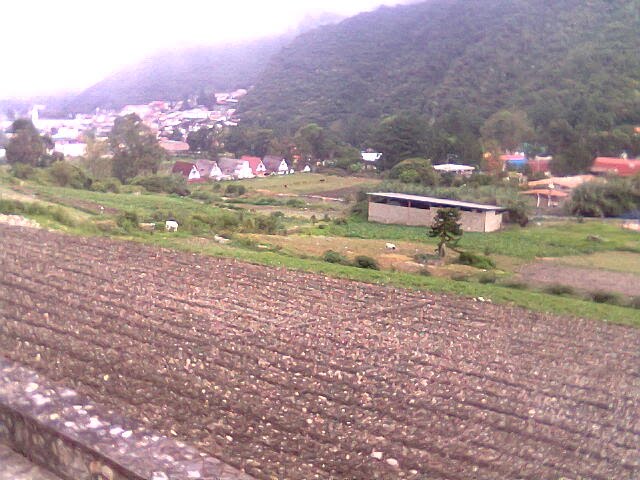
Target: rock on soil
[18,221]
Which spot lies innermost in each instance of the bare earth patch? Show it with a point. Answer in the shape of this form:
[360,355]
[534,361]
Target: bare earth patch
[548,272]
[291,375]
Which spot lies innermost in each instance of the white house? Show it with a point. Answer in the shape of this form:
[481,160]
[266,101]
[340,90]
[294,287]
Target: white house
[454,168]
[187,170]
[71,149]
[235,168]
[275,165]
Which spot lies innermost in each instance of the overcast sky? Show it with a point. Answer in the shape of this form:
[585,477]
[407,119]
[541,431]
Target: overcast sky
[67,45]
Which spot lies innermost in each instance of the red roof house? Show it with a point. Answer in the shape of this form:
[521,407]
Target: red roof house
[616,166]
[188,170]
[257,167]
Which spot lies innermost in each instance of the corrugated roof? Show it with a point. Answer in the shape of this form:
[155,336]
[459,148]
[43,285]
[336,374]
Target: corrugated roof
[436,201]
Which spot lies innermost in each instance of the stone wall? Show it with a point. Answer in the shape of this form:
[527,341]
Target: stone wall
[70,436]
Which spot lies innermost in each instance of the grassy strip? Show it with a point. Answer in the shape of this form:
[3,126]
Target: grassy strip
[562,239]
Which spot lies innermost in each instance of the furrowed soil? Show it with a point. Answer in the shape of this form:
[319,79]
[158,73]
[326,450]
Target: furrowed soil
[299,376]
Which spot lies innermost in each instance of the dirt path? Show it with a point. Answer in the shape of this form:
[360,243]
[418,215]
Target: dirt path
[548,272]
[298,376]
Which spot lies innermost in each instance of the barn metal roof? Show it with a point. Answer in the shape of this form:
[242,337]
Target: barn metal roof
[437,201]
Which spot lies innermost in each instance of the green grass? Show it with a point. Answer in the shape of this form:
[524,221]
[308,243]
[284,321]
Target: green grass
[304,183]
[555,240]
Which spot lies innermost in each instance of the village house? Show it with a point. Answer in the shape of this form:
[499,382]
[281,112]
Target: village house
[275,165]
[209,169]
[174,147]
[621,167]
[235,168]
[455,169]
[188,170]
[403,209]
[257,167]
[369,159]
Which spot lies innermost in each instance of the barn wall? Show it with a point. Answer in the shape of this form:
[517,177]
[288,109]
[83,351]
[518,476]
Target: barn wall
[470,221]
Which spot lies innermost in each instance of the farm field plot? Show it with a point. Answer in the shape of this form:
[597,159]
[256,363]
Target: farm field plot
[292,375]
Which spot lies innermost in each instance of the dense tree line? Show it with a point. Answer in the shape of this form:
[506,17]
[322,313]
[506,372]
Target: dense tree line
[449,80]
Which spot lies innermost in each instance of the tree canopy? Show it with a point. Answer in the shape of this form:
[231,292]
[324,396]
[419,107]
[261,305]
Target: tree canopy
[27,146]
[135,148]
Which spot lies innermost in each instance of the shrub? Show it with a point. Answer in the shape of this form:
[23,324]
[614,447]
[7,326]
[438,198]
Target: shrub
[64,174]
[487,278]
[128,221]
[332,256]
[15,207]
[424,257]
[296,203]
[516,285]
[234,190]
[606,297]
[163,184]
[635,302]
[363,261]
[415,170]
[460,277]
[475,260]
[110,184]
[203,195]
[22,171]
[558,289]
[339,221]
[610,199]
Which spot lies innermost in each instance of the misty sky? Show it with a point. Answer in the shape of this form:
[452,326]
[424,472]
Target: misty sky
[67,45]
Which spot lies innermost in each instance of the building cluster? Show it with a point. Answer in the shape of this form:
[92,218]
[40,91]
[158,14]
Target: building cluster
[227,168]
[170,121]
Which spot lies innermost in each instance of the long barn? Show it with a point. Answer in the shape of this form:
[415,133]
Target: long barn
[403,209]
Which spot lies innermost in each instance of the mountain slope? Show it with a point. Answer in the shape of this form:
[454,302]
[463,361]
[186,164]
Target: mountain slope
[172,75]
[561,59]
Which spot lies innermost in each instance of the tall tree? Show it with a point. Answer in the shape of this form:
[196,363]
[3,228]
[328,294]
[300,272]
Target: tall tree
[399,137]
[135,148]
[509,129]
[205,140]
[26,145]
[446,228]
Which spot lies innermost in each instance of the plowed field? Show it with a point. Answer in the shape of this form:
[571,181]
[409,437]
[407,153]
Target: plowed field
[299,376]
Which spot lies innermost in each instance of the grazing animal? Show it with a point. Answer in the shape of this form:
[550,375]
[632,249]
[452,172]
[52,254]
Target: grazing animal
[171,226]
[391,246]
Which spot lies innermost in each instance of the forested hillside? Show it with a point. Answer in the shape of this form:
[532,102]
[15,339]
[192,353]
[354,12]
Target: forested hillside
[573,66]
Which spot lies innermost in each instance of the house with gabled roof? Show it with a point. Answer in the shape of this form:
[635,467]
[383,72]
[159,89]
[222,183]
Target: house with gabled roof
[209,169]
[188,170]
[275,165]
[235,168]
[257,167]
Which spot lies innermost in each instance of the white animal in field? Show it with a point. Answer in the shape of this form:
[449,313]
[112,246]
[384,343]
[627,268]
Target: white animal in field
[391,246]
[171,226]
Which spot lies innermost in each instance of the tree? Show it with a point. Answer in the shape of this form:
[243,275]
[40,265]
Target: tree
[135,148]
[399,137]
[250,141]
[446,228]
[96,160]
[26,146]
[509,129]
[415,170]
[205,140]
[313,142]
